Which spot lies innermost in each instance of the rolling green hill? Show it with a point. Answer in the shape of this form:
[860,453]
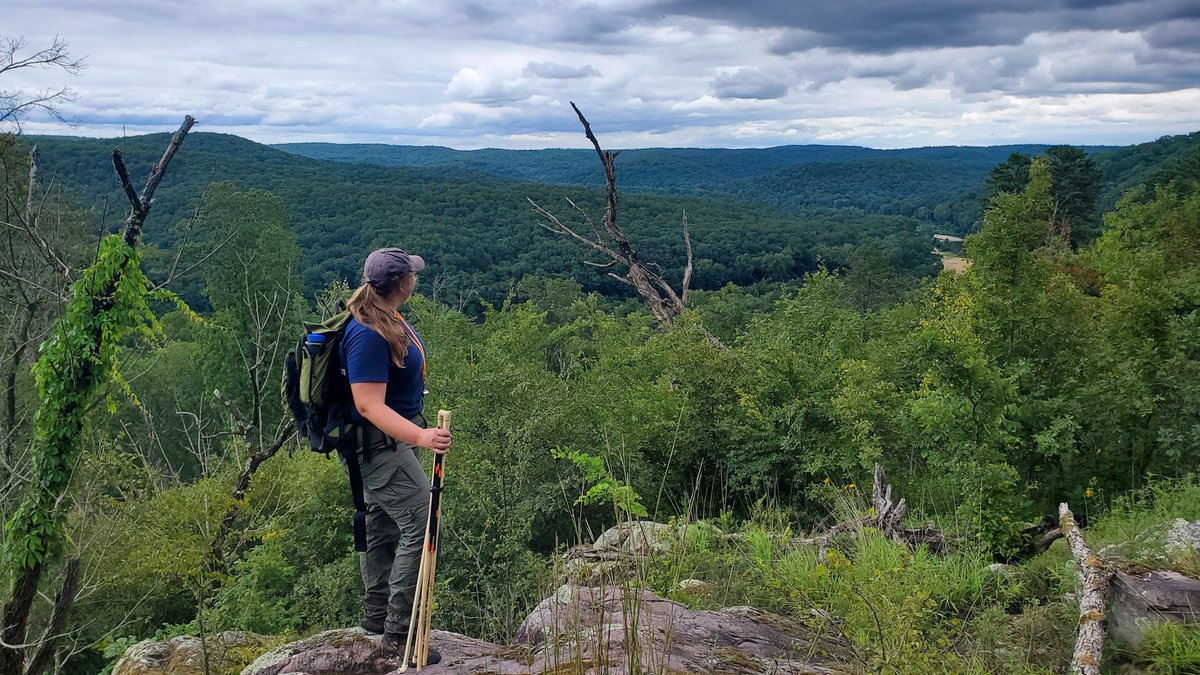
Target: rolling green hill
[761,214]
[937,185]
[477,228]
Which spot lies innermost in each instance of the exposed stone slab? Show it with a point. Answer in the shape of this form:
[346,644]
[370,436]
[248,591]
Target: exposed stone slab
[1140,600]
[604,629]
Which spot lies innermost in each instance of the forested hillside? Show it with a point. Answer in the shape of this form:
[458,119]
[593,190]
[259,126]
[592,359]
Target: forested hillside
[942,186]
[684,170]
[936,185]
[479,228]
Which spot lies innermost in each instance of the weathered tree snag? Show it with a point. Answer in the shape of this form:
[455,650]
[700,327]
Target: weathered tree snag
[32,212]
[886,517]
[1094,577]
[887,513]
[141,203]
[662,299]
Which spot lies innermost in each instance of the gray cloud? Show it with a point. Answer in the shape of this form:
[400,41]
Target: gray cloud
[871,26]
[750,83]
[1181,34]
[558,71]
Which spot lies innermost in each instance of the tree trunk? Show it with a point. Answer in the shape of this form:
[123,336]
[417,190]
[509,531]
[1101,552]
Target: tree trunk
[10,381]
[63,603]
[16,620]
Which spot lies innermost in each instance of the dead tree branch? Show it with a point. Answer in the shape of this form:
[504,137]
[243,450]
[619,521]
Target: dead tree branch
[15,105]
[140,204]
[218,563]
[1094,577]
[664,302]
[29,223]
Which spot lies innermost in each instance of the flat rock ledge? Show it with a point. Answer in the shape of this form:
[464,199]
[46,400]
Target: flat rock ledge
[352,651]
[584,630]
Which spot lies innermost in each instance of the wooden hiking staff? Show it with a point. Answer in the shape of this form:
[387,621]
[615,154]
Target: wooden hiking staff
[420,622]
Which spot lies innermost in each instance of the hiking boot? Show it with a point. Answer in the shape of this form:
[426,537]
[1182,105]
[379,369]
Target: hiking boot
[394,643]
[372,626]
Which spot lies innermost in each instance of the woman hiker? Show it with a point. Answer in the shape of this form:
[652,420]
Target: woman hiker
[385,363]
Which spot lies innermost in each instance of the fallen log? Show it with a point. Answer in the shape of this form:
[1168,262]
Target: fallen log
[1094,577]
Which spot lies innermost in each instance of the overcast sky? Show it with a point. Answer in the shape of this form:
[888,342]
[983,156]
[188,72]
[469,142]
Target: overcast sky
[710,73]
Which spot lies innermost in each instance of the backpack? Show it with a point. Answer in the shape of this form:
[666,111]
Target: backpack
[316,390]
[315,387]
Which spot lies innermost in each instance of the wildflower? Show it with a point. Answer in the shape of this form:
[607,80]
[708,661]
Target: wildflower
[1088,492]
[826,481]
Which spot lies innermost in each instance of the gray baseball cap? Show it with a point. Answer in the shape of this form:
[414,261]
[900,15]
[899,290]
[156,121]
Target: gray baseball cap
[385,263]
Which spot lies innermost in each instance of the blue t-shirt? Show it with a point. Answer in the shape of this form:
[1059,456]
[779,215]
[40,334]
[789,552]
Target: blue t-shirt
[368,358]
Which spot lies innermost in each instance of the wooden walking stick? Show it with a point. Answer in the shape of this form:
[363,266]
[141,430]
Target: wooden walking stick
[417,642]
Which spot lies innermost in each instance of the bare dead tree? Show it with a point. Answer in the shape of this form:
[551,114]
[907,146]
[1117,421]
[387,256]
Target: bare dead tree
[15,105]
[614,245]
[284,433]
[38,241]
[267,310]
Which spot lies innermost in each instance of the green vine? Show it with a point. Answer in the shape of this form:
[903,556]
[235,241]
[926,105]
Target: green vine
[110,302]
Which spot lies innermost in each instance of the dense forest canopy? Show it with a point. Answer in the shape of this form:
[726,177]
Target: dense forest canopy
[757,215]
[479,229]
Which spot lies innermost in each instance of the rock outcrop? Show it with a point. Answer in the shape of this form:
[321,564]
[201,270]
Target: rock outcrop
[619,550]
[352,650]
[1159,544]
[579,629]
[594,629]
[1137,601]
[187,655]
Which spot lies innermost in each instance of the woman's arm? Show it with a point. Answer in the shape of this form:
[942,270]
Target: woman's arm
[369,400]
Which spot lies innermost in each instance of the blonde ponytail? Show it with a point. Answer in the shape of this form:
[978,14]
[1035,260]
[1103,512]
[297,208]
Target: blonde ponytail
[373,310]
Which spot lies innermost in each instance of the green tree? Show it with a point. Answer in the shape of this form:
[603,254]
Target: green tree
[871,280]
[1075,184]
[1009,177]
[253,287]
[1147,379]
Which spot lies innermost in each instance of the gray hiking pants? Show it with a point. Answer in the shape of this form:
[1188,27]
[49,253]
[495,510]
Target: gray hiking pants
[396,490]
